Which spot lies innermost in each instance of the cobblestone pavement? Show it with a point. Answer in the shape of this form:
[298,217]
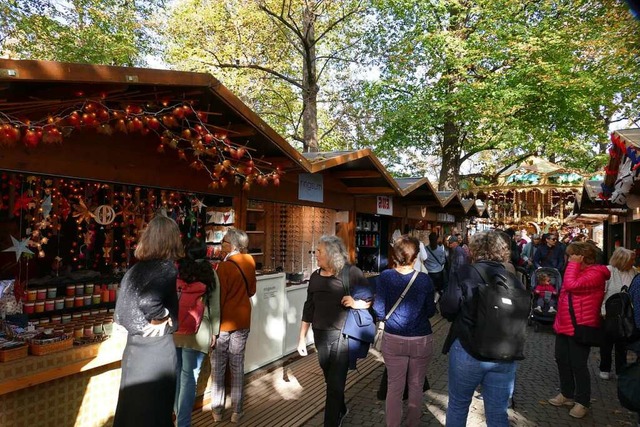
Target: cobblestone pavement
[536,381]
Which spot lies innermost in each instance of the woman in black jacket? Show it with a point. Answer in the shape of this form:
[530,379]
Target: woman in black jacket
[147,308]
[467,368]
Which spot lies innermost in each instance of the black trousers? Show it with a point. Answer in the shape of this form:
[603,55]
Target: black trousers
[620,355]
[438,279]
[571,358]
[333,356]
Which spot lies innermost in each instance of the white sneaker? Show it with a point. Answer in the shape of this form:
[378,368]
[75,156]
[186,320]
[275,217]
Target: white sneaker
[552,310]
[605,375]
[538,309]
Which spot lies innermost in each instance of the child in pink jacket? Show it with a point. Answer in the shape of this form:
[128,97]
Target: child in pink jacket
[546,293]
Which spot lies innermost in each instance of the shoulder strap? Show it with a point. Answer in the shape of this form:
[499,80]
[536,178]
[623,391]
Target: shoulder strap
[434,255]
[482,271]
[572,312]
[406,289]
[345,279]
[246,283]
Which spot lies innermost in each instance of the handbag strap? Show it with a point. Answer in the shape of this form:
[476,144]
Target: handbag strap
[246,283]
[434,255]
[345,279]
[571,312]
[406,289]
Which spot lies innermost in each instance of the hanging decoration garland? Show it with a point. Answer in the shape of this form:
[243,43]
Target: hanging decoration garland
[626,174]
[179,127]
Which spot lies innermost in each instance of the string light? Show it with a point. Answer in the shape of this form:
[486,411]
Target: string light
[178,126]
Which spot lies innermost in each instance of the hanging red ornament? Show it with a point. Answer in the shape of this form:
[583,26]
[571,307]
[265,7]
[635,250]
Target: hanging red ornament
[202,116]
[121,126]
[153,123]
[178,112]
[89,119]
[32,138]
[74,119]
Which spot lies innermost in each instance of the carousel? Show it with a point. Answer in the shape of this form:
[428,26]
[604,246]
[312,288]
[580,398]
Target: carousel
[535,193]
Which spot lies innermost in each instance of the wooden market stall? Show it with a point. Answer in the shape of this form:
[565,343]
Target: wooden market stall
[375,212]
[87,155]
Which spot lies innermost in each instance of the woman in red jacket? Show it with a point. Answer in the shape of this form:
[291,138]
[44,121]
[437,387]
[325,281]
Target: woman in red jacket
[584,281]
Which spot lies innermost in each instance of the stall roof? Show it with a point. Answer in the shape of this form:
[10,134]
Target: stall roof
[418,191]
[360,171]
[38,88]
[590,202]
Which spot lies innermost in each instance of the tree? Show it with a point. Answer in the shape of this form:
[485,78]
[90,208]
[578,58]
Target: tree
[112,32]
[289,60]
[495,80]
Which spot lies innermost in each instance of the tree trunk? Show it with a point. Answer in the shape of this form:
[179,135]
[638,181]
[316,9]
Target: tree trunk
[450,170]
[309,84]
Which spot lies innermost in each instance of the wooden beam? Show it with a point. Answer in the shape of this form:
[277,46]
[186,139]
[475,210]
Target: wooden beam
[356,174]
[382,191]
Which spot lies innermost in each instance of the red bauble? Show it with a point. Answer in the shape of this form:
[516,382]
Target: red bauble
[32,138]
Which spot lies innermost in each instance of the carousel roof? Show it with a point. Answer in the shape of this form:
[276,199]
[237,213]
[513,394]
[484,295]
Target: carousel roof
[536,172]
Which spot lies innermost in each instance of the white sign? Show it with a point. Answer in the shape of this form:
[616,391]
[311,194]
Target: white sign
[384,205]
[310,187]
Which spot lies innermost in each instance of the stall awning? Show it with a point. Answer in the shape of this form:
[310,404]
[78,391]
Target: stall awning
[359,171]
[419,192]
[51,102]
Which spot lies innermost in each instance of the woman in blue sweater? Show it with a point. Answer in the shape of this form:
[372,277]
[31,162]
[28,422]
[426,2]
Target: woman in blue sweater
[407,345]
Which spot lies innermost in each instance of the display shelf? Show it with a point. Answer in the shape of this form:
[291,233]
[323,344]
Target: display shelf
[256,228]
[71,310]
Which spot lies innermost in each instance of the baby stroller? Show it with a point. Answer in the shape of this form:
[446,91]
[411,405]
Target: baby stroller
[545,313]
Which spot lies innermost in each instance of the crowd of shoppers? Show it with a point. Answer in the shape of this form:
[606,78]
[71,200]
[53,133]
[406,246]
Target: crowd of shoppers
[161,366]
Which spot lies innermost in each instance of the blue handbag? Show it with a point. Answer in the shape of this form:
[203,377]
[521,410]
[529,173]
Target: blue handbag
[359,327]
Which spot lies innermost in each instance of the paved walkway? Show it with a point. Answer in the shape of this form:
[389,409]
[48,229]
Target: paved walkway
[536,381]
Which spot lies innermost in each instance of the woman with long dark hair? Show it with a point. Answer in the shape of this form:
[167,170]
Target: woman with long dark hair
[194,270]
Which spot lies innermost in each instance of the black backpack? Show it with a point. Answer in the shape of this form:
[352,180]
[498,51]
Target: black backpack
[619,322]
[502,315]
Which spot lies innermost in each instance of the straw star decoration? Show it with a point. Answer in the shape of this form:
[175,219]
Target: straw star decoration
[197,204]
[82,212]
[19,247]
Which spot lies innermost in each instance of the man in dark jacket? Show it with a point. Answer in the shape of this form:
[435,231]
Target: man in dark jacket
[549,253]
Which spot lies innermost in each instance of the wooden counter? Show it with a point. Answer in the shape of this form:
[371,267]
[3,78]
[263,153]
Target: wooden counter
[79,387]
[75,387]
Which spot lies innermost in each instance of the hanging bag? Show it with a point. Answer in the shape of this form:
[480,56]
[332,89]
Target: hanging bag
[583,334]
[377,343]
[191,304]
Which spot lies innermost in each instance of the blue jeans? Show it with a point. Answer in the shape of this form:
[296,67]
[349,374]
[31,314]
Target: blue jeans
[466,373]
[188,370]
